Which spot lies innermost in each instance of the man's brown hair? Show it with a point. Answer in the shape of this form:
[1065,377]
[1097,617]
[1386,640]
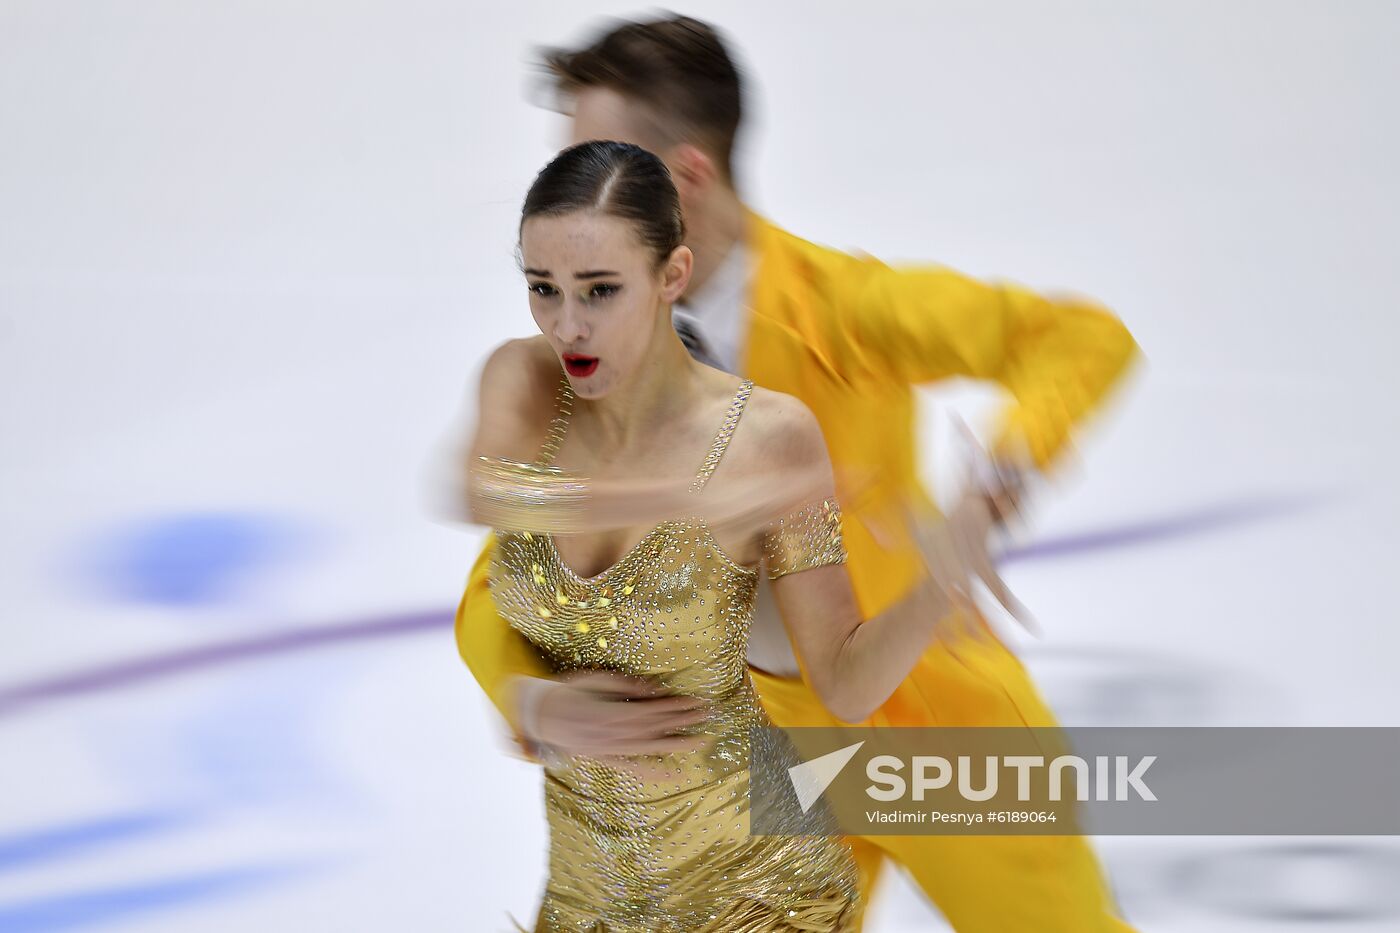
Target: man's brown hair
[678,68]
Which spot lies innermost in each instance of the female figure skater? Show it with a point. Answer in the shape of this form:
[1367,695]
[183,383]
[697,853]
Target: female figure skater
[704,482]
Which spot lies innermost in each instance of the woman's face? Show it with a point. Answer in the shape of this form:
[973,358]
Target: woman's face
[596,294]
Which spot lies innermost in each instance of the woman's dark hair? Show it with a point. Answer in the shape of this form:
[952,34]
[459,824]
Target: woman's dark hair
[617,179]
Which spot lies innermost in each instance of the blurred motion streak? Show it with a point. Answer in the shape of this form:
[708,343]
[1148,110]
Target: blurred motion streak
[105,905]
[16,697]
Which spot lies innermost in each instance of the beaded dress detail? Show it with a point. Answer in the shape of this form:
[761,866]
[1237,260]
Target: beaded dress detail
[673,853]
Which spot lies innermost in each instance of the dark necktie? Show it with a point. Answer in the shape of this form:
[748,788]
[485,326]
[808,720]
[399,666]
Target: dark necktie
[693,342]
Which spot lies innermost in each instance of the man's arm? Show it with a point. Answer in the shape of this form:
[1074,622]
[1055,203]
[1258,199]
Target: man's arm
[1059,358]
[494,652]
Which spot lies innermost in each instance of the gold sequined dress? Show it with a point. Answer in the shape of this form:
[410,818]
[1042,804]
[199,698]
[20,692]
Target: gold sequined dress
[674,854]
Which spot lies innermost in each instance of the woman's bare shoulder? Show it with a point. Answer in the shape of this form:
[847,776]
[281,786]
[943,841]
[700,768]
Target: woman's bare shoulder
[523,370]
[517,396]
[783,429]
[778,439]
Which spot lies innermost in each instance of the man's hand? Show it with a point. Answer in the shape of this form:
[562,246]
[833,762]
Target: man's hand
[607,716]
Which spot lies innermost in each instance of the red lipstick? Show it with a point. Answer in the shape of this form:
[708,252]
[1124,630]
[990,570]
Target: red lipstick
[579,365]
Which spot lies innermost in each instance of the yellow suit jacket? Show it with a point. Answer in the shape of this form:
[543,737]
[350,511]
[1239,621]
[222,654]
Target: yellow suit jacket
[850,336]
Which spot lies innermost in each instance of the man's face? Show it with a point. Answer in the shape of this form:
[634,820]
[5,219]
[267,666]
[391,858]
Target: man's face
[602,113]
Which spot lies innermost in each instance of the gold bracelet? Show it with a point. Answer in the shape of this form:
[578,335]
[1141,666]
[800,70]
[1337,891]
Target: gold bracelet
[512,495]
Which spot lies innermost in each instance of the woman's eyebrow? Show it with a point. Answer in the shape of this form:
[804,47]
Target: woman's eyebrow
[590,274]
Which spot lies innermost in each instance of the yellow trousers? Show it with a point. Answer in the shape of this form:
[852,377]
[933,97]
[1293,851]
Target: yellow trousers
[982,884]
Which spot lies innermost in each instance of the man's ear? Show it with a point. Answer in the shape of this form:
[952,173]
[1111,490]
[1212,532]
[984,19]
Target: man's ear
[692,170]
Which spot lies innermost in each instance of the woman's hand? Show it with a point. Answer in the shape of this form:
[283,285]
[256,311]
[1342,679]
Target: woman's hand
[957,548]
[518,496]
[956,555]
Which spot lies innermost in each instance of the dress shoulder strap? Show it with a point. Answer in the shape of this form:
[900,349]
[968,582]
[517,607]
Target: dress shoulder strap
[726,431]
[559,424]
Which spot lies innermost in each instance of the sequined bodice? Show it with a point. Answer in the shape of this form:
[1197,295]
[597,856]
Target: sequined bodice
[673,607]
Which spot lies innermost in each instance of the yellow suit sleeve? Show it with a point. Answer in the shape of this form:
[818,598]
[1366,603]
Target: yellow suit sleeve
[493,651]
[1059,358]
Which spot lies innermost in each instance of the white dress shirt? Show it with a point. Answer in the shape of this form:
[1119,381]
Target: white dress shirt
[718,314]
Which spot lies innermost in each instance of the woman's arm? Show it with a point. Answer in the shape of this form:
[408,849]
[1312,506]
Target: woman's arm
[517,400]
[853,665]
